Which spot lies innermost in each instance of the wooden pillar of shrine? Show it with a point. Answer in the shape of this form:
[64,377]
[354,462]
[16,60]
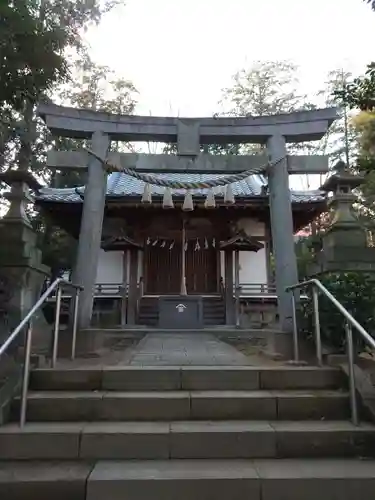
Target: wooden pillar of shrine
[125,283]
[133,286]
[237,287]
[228,278]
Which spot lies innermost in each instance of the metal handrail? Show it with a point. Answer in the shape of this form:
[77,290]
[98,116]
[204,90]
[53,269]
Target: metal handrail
[350,322]
[27,322]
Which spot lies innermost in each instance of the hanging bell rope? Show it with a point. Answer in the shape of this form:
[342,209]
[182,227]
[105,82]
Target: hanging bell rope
[207,184]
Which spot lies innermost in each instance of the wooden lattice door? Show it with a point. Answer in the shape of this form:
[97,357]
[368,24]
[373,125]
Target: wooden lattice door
[162,269]
[201,270]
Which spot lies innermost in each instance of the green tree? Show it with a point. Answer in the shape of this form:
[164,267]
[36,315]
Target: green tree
[360,93]
[341,140]
[95,87]
[364,123]
[32,67]
[266,88]
[34,36]
[371,2]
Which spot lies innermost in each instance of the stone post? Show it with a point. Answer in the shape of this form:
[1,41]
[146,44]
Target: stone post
[20,259]
[91,229]
[282,229]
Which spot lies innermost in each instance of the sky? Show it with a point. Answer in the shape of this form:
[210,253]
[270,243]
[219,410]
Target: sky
[181,53]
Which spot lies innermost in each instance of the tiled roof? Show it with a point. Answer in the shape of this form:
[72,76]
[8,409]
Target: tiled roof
[120,184]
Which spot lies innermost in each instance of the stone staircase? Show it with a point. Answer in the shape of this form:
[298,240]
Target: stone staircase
[190,433]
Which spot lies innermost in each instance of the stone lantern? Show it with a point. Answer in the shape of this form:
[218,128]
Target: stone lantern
[20,258]
[344,242]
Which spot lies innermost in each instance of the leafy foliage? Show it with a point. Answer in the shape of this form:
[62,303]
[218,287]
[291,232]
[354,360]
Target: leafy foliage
[340,142]
[371,2]
[35,39]
[266,88]
[95,87]
[34,36]
[364,124]
[31,51]
[355,292]
[361,92]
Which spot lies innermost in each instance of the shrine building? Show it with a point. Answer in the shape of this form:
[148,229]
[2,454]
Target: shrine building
[144,245]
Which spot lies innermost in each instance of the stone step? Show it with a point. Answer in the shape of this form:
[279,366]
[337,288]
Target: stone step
[185,440]
[262,479]
[184,405]
[44,480]
[164,378]
[233,480]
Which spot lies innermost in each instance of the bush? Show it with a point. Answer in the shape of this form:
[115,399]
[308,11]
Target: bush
[355,291]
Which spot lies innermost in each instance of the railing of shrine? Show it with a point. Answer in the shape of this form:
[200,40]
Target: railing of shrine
[25,329]
[256,290]
[349,324]
[110,290]
[118,290]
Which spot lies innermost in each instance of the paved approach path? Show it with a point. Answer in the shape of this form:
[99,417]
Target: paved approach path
[185,349]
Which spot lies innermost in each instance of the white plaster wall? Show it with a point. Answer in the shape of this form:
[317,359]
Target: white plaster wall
[110,267]
[252,227]
[253,266]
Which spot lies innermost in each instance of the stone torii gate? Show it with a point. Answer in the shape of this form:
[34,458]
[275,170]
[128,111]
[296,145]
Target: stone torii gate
[189,133]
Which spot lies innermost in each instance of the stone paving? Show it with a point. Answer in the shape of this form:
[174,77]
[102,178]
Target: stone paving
[185,349]
[178,348]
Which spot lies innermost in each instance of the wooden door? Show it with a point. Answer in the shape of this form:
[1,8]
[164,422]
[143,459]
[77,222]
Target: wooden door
[201,271]
[162,267]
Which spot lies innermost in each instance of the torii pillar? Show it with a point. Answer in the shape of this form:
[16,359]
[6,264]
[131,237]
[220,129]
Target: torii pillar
[282,228]
[91,228]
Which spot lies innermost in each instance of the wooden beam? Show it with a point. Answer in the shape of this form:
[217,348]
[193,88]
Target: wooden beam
[82,123]
[209,164]
[228,273]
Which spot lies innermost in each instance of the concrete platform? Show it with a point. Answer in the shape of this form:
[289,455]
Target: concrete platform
[185,349]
